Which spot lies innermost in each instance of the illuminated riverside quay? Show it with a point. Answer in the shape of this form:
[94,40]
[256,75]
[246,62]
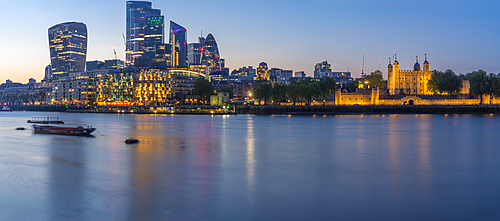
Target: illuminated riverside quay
[246,167]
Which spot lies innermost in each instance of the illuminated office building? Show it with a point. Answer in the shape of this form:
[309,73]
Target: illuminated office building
[263,71]
[162,56]
[321,67]
[194,51]
[68,47]
[210,54]
[153,35]
[178,45]
[136,14]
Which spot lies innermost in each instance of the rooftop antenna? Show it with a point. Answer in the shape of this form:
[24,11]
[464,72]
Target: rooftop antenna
[115,54]
[379,65]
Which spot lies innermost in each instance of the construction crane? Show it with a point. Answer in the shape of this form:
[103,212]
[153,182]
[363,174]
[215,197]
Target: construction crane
[124,41]
[363,68]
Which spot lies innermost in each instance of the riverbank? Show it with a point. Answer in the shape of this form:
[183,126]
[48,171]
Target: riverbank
[283,110]
[374,109]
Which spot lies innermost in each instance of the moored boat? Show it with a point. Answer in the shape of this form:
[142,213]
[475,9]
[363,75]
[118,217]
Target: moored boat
[5,108]
[75,131]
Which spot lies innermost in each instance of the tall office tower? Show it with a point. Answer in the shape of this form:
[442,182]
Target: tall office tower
[162,56]
[136,14]
[68,47]
[178,45]
[210,54]
[194,53]
[321,67]
[153,35]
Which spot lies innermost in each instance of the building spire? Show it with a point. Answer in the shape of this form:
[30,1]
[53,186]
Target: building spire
[426,56]
[417,59]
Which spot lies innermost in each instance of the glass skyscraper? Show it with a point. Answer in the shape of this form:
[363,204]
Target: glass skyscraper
[210,54]
[68,47]
[137,11]
[153,35]
[178,45]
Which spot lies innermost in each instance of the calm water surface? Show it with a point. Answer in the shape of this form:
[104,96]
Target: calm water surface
[360,167]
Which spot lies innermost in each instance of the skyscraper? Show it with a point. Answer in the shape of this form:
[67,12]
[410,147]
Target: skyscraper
[210,54]
[178,45]
[153,35]
[68,47]
[137,11]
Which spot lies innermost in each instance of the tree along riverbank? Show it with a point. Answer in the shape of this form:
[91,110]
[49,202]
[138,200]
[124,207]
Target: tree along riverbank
[374,109]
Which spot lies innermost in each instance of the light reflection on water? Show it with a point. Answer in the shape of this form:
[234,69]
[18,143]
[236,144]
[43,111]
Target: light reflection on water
[359,167]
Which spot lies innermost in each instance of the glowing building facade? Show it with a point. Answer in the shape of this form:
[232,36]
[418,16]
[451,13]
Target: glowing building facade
[178,45]
[153,35]
[136,14]
[263,71]
[68,47]
[210,54]
[408,82]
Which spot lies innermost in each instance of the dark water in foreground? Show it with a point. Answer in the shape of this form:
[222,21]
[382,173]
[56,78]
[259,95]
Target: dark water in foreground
[371,167]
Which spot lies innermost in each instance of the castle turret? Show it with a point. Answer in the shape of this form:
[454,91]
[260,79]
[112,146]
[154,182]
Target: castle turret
[390,78]
[416,67]
[426,64]
[395,75]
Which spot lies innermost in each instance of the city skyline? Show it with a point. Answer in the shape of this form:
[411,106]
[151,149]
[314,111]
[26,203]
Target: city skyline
[296,35]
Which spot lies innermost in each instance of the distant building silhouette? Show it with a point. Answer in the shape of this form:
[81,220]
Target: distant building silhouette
[68,47]
[136,14]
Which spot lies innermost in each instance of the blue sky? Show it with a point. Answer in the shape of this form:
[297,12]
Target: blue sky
[460,35]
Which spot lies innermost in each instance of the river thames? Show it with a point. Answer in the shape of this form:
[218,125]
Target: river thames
[247,167]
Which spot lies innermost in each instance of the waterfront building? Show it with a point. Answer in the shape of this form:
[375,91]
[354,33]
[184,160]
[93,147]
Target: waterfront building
[241,86]
[321,67]
[263,71]
[117,88]
[153,36]
[210,54]
[178,45]
[77,88]
[136,13]
[157,86]
[68,47]
[409,82]
[94,65]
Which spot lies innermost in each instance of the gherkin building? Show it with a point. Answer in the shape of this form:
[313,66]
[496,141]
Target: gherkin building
[210,54]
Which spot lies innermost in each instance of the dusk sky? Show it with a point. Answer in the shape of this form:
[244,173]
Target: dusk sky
[294,35]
